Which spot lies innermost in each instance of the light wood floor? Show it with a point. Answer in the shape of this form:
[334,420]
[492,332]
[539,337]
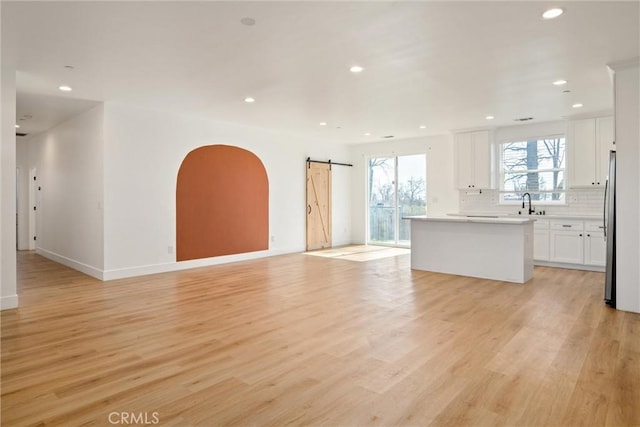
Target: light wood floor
[303,340]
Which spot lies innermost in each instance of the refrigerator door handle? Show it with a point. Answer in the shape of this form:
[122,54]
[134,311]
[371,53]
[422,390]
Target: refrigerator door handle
[606,205]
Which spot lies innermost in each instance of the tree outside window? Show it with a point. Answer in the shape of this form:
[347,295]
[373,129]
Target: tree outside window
[536,166]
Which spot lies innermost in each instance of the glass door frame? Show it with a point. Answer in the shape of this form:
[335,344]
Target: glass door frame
[396,219]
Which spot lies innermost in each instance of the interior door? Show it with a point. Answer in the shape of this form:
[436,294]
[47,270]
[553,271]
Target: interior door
[318,206]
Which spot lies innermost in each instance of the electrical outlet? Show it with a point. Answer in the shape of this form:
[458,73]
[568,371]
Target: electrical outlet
[273,238]
[169,249]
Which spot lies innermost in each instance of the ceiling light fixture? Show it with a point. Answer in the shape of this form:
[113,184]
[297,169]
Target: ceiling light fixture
[367,134]
[560,82]
[423,127]
[17,126]
[552,13]
[249,100]
[323,123]
[356,69]
[578,105]
[489,117]
[65,88]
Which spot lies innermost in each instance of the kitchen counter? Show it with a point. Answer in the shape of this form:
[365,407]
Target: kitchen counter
[482,219]
[498,248]
[578,216]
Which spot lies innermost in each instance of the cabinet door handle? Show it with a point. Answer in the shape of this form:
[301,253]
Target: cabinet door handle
[566,226]
[588,235]
[593,183]
[580,234]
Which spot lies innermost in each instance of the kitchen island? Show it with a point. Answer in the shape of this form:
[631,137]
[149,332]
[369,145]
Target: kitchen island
[489,248]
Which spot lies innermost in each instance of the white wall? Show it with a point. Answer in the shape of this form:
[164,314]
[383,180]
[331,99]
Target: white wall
[442,196]
[22,188]
[143,152]
[513,133]
[627,122]
[8,294]
[69,163]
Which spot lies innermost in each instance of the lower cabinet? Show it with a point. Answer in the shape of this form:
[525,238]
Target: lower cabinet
[569,242]
[541,240]
[567,246]
[595,246]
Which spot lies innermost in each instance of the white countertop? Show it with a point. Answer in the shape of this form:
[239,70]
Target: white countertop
[482,220]
[578,216]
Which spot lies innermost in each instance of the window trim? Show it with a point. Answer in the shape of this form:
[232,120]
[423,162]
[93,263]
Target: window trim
[501,173]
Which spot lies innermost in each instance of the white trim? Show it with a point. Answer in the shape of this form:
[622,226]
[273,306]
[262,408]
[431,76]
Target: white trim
[72,263]
[122,273]
[570,266]
[627,63]
[8,302]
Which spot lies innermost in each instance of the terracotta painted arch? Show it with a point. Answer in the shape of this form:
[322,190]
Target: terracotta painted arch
[222,203]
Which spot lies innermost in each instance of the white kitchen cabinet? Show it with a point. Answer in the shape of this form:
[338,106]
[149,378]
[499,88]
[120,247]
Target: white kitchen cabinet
[541,240]
[589,142]
[571,241]
[567,247]
[595,247]
[567,243]
[604,144]
[473,160]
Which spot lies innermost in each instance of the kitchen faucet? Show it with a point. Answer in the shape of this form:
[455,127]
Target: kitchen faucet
[531,210]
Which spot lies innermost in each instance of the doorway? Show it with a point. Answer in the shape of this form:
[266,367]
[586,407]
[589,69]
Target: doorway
[397,187]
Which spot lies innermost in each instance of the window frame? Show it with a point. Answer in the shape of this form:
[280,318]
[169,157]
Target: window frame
[501,172]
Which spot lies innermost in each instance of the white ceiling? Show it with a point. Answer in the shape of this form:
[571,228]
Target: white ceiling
[445,65]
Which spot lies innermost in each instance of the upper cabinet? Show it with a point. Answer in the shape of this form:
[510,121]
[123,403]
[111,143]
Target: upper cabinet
[473,160]
[589,143]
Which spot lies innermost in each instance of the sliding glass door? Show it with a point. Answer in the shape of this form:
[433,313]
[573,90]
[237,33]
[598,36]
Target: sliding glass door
[397,188]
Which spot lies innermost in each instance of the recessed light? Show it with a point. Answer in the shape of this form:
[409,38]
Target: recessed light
[489,117]
[560,82]
[69,67]
[367,134]
[578,105]
[388,136]
[17,126]
[356,69]
[323,123]
[249,22]
[552,13]
[65,88]
[423,127]
[249,99]
[566,91]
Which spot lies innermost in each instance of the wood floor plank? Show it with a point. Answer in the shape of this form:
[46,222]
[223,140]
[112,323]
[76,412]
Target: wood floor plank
[306,340]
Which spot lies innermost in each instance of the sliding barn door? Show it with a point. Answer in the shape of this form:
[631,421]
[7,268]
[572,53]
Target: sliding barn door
[318,206]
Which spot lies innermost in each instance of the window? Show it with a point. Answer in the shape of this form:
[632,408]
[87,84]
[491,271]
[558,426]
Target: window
[536,166]
[397,188]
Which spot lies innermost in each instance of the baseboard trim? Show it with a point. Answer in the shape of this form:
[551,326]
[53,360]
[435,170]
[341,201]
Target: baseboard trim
[123,273]
[8,302]
[569,266]
[71,263]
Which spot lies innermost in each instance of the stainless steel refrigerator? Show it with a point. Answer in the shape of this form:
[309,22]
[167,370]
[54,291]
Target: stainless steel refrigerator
[610,231]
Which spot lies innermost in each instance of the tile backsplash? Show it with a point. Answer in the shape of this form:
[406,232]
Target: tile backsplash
[588,201]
